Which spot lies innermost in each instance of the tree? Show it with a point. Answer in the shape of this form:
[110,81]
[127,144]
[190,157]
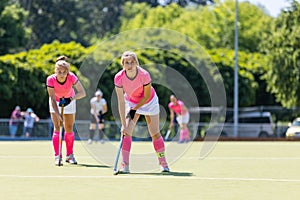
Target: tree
[13,35]
[184,3]
[283,49]
[73,20]
[211,26]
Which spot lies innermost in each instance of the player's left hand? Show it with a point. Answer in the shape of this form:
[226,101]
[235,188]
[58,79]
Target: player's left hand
[131,114]
[64,101]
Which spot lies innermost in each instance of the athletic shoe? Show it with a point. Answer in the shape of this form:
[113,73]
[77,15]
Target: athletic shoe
[164,167]
[102,141]
[90,141]
[57,160]
[124,169]
[71,159]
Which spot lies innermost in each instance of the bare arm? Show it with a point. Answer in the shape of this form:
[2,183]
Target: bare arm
[104,109]
[121,105]
[80,91]
[53,101]
[184,109]
[171,118]
[37,118]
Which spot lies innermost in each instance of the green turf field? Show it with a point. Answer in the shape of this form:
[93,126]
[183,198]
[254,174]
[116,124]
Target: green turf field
[233,170]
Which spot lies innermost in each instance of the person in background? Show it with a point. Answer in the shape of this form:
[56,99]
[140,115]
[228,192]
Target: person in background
[14,121]
[29,119]
[183,117]
[60,87]
[98,109]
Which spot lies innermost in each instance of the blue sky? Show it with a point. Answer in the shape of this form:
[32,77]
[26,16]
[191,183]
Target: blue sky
[272,6]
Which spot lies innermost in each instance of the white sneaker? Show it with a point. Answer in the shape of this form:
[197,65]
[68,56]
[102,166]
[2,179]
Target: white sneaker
[58,161]
[71,159]
[124,169]
[90,141]
[164,167]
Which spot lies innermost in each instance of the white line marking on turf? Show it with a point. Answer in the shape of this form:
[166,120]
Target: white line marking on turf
[25,157]
[134,176]
[185,158]
[245,158]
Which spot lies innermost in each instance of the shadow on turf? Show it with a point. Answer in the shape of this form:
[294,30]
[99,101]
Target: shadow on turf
[95,166]
[164,173]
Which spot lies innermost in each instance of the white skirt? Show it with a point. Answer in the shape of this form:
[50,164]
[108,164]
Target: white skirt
[150,108]
[183,119]
[69,109]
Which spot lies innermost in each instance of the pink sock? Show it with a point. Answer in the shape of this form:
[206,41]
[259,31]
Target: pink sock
[69,139]
[159,146]
[182,135]
[186,134]
[126,146]
[55,142]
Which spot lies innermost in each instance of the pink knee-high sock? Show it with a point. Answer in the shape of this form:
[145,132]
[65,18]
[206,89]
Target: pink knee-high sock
[159,146]
[55,142]
[182,135]
[126,146]
[186,134]
[69,139]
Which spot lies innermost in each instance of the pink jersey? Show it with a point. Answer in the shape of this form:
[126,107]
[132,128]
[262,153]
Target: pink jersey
[62,89]
[134,88]
[177,108]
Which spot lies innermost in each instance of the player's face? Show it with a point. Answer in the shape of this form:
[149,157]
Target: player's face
[129,63]
[61,73]
[98,97]
[173,99]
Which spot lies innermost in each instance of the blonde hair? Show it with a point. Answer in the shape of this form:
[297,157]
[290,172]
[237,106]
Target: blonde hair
[61,61]
[127,54]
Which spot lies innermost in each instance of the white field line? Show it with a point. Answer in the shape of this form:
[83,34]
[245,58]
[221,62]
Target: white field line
[152,177]
[244,158]
[28,156]
[183,157]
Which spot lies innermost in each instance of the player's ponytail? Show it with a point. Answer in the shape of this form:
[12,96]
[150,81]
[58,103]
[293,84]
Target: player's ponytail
[61,61]
[65,58]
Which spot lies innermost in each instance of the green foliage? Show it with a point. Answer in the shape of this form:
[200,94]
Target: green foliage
[13,35]
[283,50]
[250,65]
[211,26]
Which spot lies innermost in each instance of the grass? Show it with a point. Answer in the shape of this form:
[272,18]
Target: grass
[232,170]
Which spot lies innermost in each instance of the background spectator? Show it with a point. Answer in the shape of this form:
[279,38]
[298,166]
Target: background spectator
[14,121]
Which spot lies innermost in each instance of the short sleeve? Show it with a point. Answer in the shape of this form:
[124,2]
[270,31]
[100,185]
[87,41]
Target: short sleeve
[50,82]
[103,101]
[74,78]
[118,80]
[146,78]
[181,103]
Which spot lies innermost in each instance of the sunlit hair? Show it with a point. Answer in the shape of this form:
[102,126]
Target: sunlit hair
[128,54]
[173,98]
[61,61]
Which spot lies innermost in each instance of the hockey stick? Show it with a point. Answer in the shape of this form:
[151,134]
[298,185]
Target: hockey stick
[60,136]
[168,134]
[118,155]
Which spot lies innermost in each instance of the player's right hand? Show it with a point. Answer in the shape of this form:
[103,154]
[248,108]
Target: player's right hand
[59,117]
[171,125]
